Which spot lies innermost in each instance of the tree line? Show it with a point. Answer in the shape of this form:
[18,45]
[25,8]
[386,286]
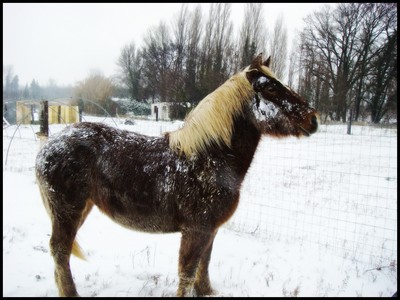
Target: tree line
[344,60]
[187,60]
[34,91]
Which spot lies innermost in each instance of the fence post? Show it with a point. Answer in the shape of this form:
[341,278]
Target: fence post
[43,134]
[32,114]
[44,118]
[80,107]
[349,122]
[156,111]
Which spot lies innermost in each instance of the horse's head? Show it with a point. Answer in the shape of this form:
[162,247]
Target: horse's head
[279,111]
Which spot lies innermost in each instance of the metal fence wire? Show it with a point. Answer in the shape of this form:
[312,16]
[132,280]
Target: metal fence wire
[335,190]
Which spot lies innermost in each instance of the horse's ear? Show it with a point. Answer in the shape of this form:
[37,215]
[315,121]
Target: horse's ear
[252,75]
[256,63]
[267,63]
[253,72]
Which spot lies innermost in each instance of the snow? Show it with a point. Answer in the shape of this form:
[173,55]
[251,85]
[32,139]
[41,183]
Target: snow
[265,110]
[317,217]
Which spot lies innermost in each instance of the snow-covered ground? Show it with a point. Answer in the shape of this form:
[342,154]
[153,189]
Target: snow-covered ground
[317,217]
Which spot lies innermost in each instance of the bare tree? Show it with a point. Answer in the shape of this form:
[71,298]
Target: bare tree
[179,48]
[332,36]
[253,33]
[8,79]
[278,48]
[193,56]
[158,60]
[379,21]
[130,64]
[36,91]
[383,84]
[97,89]
[217,48]
[221,38]
[344,42]
[294,59]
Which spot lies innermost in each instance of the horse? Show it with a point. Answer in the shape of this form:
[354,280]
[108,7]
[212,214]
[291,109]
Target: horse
[185,181]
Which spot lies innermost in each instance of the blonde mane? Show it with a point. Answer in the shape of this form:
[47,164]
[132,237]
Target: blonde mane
[211,122]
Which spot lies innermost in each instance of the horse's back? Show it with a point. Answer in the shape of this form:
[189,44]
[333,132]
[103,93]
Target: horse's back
[84,146]
[64,157]
[116,170]
[68,154]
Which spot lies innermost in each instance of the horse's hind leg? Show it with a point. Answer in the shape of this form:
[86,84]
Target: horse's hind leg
[65,224]
[61,242]
[194,244]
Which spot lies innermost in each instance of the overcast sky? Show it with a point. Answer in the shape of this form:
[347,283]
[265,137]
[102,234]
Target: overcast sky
[65,42]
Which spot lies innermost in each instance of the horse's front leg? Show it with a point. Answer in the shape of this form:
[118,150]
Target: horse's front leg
[194,244]
[202,283]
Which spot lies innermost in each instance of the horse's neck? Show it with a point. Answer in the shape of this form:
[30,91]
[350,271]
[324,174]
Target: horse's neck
[245,140]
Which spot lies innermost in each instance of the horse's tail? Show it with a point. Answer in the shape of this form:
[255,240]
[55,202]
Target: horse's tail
[77,250]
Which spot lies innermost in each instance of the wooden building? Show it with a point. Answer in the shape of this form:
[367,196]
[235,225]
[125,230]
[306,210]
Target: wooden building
[60,112]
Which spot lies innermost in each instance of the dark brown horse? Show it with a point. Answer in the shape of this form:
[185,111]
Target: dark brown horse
[186,181]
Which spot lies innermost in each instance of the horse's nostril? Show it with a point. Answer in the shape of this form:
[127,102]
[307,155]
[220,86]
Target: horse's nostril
[314,120]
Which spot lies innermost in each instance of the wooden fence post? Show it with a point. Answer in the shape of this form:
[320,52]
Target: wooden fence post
[43,134]
[44,118]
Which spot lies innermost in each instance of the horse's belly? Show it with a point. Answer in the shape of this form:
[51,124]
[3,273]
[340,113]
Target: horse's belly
[141,218]
[152,223]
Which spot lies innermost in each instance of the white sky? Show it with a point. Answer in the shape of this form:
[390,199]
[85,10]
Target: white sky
[66,41]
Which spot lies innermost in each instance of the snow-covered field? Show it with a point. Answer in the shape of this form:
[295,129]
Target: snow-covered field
[318,217]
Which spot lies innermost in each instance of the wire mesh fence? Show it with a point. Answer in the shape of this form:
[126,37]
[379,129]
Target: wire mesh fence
[335,190]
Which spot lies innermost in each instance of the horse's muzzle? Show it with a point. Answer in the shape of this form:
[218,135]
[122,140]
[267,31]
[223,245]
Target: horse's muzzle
[314,124]
[311,127]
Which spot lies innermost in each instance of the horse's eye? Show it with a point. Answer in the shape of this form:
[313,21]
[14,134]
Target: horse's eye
[271,88]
